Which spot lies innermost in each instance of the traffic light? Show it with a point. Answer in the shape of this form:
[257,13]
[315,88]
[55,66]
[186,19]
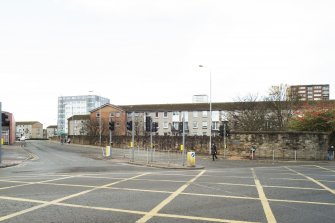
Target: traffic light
[222,131]
[154,126]
[180,129]
[147,123]
[130,125]
[227,132]
[111,126]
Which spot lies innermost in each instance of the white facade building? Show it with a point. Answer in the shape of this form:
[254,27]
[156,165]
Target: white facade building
[76,105]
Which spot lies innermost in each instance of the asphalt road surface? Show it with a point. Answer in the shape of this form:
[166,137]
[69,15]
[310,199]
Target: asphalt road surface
[63,183]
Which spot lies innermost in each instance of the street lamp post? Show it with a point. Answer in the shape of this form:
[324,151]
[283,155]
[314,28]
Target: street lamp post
[210,108]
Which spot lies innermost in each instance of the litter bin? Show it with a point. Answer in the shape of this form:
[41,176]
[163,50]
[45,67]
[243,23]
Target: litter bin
[191,159]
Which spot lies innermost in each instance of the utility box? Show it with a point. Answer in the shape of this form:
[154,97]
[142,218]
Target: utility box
[191,159]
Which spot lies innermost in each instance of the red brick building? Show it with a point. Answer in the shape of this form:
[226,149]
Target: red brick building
[109,113]
[8,128]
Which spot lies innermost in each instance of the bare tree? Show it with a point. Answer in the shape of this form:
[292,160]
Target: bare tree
[93,127]
[282,104]
[251,115]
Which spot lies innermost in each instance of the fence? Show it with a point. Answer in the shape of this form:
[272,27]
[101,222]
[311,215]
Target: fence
[149,156]
[276,154]
[172,157]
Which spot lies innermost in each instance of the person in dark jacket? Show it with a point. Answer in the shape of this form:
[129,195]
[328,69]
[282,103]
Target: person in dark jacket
[214,152]
[331,153]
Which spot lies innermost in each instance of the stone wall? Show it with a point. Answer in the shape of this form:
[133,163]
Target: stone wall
[281,145]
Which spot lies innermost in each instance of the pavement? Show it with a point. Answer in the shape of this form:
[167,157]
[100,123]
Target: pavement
[13,155]
[16,154]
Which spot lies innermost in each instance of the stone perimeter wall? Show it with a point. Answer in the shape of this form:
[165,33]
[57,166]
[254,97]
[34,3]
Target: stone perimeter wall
[279,145]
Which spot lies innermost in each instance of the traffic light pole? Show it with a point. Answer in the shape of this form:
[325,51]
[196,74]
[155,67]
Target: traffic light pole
[224,140]
[132,136]
[183,152]
[110,138]
[152,153]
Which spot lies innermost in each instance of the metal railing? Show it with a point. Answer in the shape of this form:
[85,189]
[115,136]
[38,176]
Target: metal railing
[147,156]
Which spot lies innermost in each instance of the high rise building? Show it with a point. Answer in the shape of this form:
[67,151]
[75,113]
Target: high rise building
[76,105]
[200,98]
[309,92]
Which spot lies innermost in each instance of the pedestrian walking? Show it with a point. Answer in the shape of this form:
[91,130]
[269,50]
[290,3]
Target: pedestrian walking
[330,153]
[252,152]
[214,152]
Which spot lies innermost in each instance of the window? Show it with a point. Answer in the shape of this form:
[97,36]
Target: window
[97,115]
[117,114]
[195,125]
[204,125]
[111,114]
[165,125]
[215,125]
[117,124]
[204,114]
[175,113]
[156,114]
[175,125]
[195,114]
[186,126]
[165,114]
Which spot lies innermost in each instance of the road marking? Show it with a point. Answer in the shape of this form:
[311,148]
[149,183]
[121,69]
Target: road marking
[313,180]
[265,203]
[200,218]
[32,183]
[222,196]
[292,179]
[295,188]
[54,202]
[125,211]
[302,202]
[233,184]
[22,199]
[329,170]
[156,209]
[222,176]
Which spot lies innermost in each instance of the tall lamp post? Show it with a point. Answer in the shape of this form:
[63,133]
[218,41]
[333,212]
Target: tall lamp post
[210,107]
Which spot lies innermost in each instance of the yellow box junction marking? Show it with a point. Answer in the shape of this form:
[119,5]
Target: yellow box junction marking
[313,180]
[55,202]
[265,203]
[156,209]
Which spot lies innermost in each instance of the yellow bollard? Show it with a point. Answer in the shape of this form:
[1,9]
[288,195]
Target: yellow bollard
[191,159]
[108,151]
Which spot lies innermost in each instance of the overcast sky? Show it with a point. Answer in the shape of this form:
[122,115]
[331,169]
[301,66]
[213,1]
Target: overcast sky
[148,51]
